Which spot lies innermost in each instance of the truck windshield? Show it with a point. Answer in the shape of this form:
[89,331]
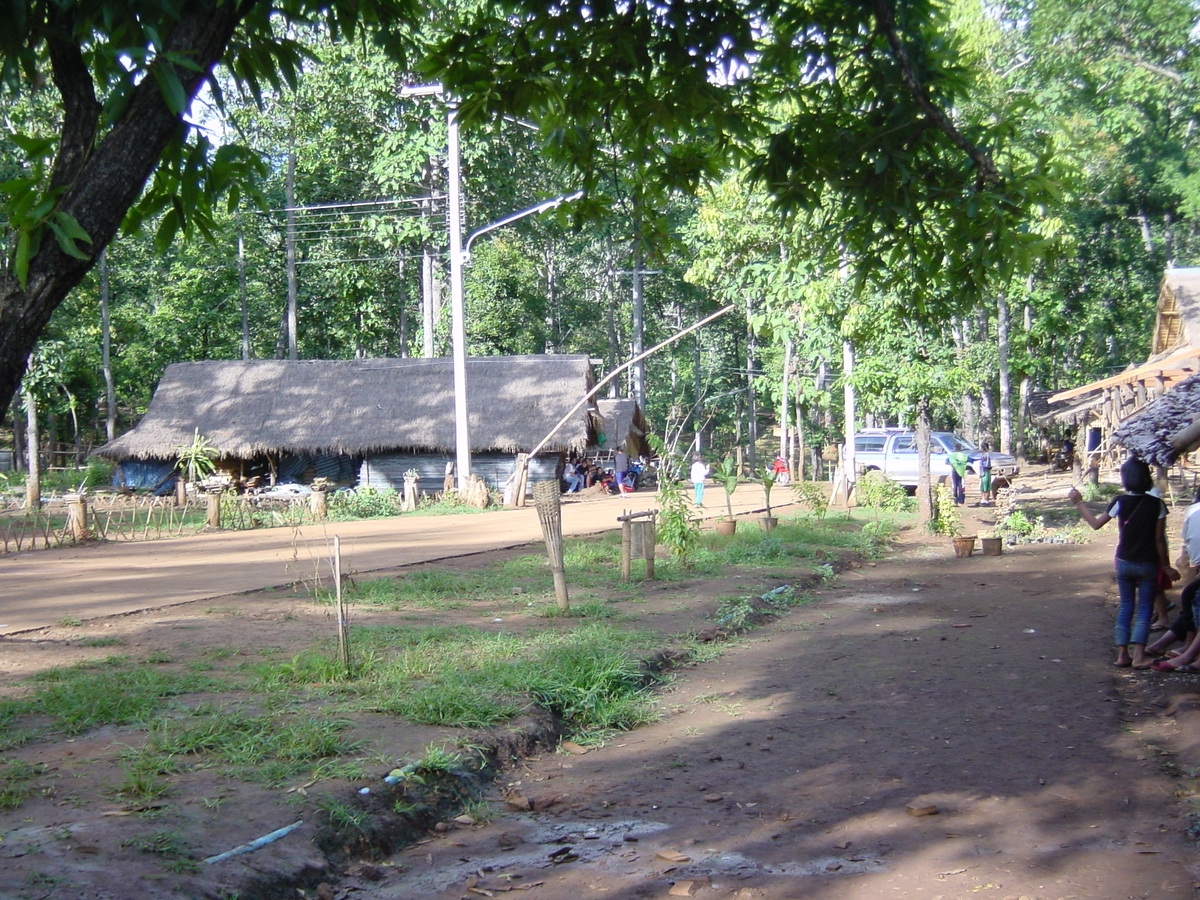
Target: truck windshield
[953,442]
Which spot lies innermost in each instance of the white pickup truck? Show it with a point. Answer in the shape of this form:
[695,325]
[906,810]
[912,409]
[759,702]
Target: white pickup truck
[893,451]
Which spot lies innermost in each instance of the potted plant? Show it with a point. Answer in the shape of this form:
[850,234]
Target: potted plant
[727,476]
[768,480]
[946,521]
[991,543]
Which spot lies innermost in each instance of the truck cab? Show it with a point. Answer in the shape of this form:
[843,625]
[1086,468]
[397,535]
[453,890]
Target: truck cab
[893,451]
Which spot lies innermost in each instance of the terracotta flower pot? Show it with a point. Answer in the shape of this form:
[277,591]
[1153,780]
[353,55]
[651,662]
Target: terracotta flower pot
[769,523]
[964,546]
[991,546]
[726,526]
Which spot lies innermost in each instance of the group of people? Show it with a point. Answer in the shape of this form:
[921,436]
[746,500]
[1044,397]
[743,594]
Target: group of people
[959,462]
[1144,571]
[580,474]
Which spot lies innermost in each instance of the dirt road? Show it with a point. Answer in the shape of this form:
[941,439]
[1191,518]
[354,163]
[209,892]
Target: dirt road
[934,728]
[40,588]
[930,727]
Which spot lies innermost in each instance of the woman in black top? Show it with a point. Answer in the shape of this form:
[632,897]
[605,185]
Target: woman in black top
[1141,553]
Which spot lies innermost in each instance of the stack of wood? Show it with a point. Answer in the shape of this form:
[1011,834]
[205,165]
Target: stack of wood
[1167,427]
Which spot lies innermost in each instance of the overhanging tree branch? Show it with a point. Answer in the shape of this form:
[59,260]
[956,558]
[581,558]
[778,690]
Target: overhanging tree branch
[885,20]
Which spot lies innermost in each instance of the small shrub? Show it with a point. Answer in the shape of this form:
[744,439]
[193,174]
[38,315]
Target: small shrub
[945,514]
[364,503]
[811,495]
[676,528]
[876,491]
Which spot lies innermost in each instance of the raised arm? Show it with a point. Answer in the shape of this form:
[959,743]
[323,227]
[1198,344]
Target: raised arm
[1096,520]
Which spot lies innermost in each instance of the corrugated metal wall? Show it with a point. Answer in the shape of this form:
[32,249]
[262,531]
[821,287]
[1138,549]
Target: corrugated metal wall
[494,468]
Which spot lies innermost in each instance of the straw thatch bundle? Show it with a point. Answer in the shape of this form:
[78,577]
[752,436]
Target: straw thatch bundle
[624,426]
[358,407]
[1158,433]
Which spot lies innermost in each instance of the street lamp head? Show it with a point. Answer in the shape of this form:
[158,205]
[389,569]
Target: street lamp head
[421,90]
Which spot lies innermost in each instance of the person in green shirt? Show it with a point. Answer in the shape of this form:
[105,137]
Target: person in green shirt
[958,470]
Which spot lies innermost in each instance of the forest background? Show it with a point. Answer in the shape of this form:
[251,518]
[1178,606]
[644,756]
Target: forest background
[1094,105]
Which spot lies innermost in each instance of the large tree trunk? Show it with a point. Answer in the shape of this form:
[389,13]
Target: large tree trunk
[924,482]
[96,182]
[33,482]
[1005,375]
[850,400]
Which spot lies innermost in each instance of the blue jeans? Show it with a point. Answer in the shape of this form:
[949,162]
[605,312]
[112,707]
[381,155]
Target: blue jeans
[1137,583]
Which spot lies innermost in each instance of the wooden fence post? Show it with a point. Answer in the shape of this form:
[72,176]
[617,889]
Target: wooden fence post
[549,509]
[213,501]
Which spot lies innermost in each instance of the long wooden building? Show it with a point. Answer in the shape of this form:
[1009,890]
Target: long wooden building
[362,422]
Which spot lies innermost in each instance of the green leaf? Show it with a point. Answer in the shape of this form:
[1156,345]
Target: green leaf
[69,234]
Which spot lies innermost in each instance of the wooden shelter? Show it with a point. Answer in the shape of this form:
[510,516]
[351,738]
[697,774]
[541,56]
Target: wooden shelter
[366,421]
[1096,411]
[623,427]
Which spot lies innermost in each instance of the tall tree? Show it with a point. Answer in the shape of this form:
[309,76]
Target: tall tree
[125,76]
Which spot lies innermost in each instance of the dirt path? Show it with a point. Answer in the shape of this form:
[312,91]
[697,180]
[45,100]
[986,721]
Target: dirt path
[930,728]
[935,728]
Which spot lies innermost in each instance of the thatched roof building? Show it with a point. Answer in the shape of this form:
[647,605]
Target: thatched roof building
[1098,410]
[1166,428]
[360,408]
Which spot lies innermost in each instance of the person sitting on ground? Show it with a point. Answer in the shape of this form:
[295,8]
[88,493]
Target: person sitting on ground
[1183,629]
[1141,551]
[572,477]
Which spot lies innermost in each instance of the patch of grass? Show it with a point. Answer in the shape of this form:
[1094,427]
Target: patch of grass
[70,621]
[342,815]
[434,589]
[106,692]
[17,782]
[170,846]
[101,642]
[265,748]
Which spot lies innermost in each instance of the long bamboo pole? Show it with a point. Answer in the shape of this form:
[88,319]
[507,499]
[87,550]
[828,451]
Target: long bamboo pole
[519,500]
[621,368]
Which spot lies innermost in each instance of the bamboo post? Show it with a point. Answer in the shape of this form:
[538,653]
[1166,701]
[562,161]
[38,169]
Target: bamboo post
[410,492]
[342,624]
[214,509]
[650,541]
[519,481]
[77,516]
[626,547]
[549,508]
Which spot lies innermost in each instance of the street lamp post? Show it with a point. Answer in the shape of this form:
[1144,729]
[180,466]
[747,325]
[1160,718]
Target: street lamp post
[458,318]
[459,253]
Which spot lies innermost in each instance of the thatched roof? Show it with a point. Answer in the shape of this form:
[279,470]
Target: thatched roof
[1177,322]
[360,406]
[624,426]
[1154,433]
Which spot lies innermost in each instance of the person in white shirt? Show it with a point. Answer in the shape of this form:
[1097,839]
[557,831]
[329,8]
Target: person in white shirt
[1183,629]
[699,475]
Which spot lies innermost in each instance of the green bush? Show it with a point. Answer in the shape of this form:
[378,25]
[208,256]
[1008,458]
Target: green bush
[945,514]
[811,495]
[365,503]
[877,491]
[677,529]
